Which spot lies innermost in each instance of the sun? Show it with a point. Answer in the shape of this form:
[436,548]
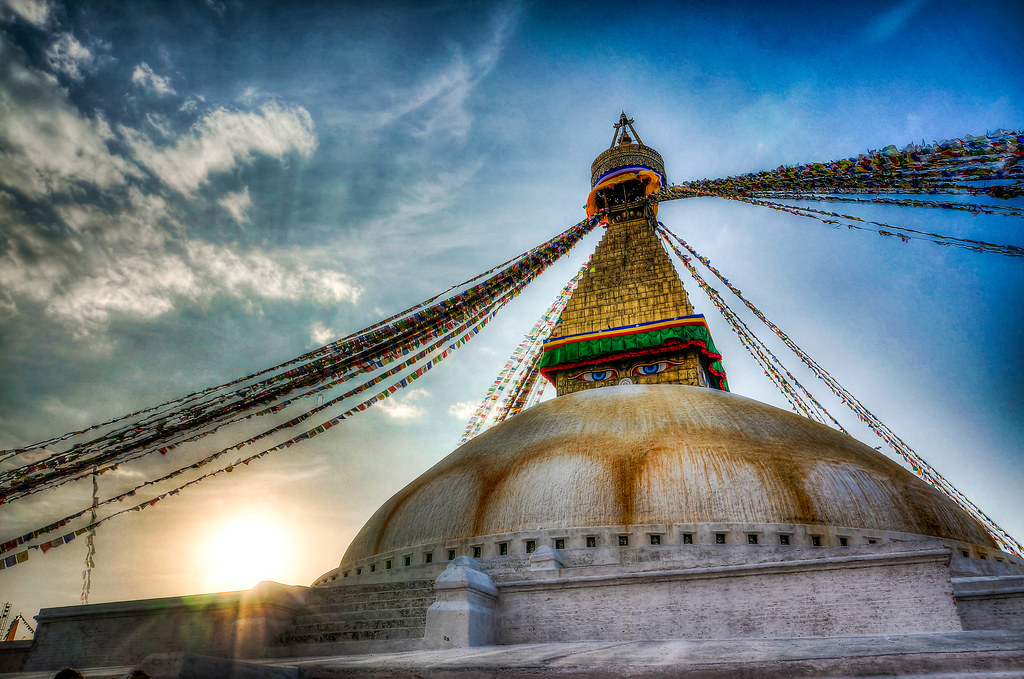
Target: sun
[242,551]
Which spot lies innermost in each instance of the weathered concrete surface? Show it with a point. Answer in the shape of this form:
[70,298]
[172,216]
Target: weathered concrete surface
[990,602]
[890,593]
[464,614]
[191,666]
[182,666]
[13,655]
[958,654]
[647,454]
[226,624]
[976,655]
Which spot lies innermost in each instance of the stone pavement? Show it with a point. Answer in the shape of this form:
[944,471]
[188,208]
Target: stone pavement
[988,654]
[972,654]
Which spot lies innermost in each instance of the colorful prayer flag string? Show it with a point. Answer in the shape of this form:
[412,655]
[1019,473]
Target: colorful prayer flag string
[459,338]
[517,379]
[799,398]
[989,165]
[903,233]
[373,348]
[918,464]
[328,349]
[972,208]
[513,280]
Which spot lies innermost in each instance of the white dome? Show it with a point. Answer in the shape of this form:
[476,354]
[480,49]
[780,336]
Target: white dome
[665,454]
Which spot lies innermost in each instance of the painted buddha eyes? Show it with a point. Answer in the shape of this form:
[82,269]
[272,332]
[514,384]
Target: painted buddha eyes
[597,375]
[651,368]
[609,374]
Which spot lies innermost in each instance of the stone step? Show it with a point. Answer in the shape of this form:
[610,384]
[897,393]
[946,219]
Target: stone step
[370,612]
[345,594]
[343,616]
[368,623]
[355,635]
[343,647]
[379,605]
[371,597]
[371,587]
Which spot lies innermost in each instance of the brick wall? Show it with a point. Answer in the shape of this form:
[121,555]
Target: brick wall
[631,280]
[885,594]
[990,602]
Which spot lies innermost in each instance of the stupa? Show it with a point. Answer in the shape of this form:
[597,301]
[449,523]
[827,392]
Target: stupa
[646,492]
[646,502]
[644,446]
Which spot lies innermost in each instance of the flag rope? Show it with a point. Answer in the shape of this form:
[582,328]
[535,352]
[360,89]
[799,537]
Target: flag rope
[505,396]
[917,463]
[196,422]
[799,397]
[507,285]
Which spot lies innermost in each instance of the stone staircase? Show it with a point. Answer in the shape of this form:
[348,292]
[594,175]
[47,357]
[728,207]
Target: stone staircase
[372,612]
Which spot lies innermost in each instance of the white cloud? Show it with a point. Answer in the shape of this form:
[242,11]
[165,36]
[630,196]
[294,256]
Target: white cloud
[446,93]
[462,410]
[430,195]
[398,410]
[159,123]
[134,256]
[33,11]
[891,21]
[61,411]
[48,146]
[224,139]
[217,7]
[67,55]
[127,474]
[237,204]
[449,91]
[139,262]
[279,276]
[321,334]
[191,105]
[146,78]
[436,108]
[250,96]
[401,409]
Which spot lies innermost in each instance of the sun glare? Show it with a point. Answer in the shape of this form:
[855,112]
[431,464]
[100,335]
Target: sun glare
[242,551]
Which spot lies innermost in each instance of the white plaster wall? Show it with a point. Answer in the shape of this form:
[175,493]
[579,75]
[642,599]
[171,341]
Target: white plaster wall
[908,593]
[990,602]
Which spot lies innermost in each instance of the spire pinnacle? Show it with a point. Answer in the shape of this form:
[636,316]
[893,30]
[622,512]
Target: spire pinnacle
[621,136]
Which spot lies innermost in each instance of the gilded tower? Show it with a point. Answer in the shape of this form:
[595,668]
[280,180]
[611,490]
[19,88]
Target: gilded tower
[630,320]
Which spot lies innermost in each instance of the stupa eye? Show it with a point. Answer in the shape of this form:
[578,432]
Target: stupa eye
[597,375]
[651,368]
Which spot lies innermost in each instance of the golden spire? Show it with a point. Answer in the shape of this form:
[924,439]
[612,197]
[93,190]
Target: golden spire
[630,320]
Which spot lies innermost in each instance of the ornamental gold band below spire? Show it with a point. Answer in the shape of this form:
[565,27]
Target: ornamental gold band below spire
[630,321]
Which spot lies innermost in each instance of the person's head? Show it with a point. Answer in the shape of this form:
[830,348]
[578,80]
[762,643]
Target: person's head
[69,673]
[139,674]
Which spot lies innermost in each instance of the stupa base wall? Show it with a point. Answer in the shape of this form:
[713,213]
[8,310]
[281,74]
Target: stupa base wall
[227,625]
[551,598]
[903,592]
[990,602]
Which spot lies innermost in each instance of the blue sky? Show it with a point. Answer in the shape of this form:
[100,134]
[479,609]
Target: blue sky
[193,191]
